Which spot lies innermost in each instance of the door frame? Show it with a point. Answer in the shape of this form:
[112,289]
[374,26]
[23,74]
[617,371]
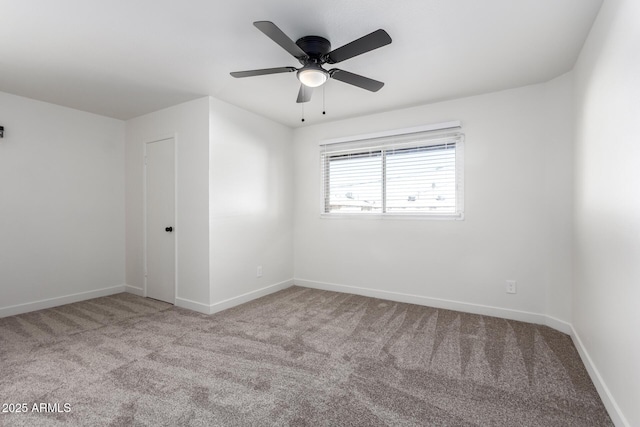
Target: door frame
[176,231]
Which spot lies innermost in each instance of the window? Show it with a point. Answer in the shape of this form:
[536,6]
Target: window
[414,174]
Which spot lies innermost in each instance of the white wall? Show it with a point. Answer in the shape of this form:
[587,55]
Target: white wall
[607,206]
[61,205]
[250,197]
[518,157]
[189,123]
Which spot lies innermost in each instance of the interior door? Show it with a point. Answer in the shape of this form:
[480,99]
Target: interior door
[160,213]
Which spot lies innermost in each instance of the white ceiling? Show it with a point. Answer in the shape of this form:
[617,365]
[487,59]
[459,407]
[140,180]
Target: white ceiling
[124,58]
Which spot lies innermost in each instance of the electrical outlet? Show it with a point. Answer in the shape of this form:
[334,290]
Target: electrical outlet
[511,287]
[259,271]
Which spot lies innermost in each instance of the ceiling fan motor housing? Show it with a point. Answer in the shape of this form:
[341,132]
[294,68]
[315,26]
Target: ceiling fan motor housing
[314,46]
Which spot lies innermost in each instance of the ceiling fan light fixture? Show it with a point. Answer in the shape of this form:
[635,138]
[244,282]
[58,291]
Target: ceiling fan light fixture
[312,76]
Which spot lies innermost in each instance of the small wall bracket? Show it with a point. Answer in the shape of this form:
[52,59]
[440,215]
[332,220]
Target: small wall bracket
[1,131]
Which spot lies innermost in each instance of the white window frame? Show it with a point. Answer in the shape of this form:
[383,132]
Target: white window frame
[421,136]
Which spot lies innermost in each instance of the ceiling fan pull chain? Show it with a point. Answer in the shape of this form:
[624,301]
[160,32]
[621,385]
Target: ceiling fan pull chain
[302,104]
[324,110]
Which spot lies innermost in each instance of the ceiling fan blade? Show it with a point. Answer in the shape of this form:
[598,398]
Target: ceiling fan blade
[356,80]
[263,71]
[304,94]
[272,31]
[357,47]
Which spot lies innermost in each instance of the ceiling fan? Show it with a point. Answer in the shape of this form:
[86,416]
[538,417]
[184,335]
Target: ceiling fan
[313,52]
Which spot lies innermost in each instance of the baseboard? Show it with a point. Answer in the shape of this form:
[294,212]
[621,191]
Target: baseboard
[485,310]
[558,325]
[193,305]
[607,398]
[134,290]
[232,302]
[249,296]
[57,301]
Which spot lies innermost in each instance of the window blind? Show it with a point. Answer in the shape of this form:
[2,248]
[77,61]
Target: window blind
[416,174]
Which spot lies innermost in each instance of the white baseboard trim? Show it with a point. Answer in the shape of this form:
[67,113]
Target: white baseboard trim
[607,398]
[54,302]
[234,301]
[558,325]
[134,290]
[192,305]
[485,310]
[249,296]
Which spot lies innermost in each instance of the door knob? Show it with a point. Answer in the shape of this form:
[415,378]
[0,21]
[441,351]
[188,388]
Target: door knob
[168,229]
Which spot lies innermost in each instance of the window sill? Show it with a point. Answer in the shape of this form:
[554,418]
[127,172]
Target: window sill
[378,216]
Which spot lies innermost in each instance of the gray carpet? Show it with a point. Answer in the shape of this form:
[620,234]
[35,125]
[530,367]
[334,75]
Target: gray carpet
[298,357]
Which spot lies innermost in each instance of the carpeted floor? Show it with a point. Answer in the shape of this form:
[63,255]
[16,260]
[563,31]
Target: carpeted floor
[298,357]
